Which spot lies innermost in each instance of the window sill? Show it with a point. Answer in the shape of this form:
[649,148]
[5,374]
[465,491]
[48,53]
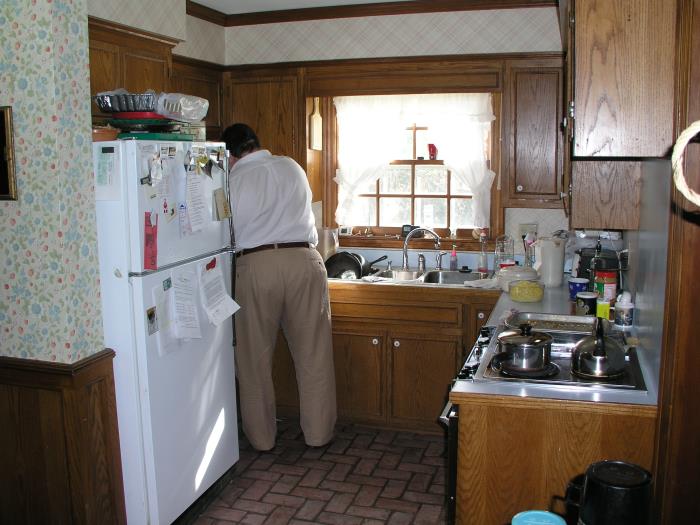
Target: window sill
[369,241]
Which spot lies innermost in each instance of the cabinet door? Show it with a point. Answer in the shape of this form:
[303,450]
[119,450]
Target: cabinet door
[533,135]
[143,70]
[605,194]
[360,376]
[421,370]
[624,77]
[270,105]
[205,82]
[104,69]
[479,315]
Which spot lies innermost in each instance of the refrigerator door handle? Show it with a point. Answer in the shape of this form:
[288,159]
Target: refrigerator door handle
[228,249]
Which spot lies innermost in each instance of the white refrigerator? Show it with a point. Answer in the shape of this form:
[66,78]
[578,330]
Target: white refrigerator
[165,253]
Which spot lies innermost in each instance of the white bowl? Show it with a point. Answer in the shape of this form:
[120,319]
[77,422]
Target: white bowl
[514,273]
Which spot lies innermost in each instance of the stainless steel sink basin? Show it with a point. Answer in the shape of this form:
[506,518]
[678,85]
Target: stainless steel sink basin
[400,275]
[451,276]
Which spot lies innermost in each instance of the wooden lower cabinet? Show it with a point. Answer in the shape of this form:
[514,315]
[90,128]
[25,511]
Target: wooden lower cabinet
[360,375]
[421,371]
[395,352]
[519,454]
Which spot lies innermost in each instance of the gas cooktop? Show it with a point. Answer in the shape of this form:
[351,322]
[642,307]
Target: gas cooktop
[559,371]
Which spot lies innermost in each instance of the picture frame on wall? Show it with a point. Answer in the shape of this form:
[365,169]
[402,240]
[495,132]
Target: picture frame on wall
[8,183]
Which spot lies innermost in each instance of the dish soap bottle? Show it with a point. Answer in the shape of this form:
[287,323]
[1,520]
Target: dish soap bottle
[453,258]
[483,266]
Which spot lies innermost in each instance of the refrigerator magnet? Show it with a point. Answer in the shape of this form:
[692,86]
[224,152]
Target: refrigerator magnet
[152,320]
[150,241]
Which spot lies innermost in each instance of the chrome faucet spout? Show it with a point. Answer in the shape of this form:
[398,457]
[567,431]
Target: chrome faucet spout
[412,234]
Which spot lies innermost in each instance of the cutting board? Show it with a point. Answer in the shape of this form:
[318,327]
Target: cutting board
[315,127]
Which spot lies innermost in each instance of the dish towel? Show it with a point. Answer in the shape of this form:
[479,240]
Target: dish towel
[488,284]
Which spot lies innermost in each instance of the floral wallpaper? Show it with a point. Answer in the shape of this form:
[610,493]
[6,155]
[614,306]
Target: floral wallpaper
[49,295]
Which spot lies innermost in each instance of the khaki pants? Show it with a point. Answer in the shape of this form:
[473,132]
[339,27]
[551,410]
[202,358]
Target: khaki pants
[285,288]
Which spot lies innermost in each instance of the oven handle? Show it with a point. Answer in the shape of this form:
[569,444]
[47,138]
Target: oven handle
[446,413]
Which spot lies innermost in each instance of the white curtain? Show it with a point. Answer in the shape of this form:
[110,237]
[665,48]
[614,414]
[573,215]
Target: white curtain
[371,129]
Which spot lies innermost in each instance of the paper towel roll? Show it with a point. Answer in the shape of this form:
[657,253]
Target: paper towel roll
[549,257]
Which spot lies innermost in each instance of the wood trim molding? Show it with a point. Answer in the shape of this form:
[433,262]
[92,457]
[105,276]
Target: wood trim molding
[195,62]
[356,11]
[96,23]
[205,13]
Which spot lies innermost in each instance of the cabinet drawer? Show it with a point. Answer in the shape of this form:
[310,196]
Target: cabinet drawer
[432,314]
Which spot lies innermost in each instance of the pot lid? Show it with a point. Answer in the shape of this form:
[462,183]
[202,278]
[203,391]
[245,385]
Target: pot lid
[524,336]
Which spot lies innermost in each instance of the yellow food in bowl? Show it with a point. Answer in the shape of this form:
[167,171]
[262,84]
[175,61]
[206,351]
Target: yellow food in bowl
[526,291]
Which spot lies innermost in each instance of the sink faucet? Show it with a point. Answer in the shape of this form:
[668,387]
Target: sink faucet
[412,234]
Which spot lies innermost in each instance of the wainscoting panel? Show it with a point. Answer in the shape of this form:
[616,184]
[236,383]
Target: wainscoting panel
[59,442]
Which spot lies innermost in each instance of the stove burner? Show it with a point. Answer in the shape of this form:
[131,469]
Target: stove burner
[502,365]
[592,377]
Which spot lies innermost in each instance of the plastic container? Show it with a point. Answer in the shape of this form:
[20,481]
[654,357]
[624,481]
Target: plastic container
[483,266]
[186,108]
[453,258]
[526,290]
[537,517]
[513,273]
[605,284]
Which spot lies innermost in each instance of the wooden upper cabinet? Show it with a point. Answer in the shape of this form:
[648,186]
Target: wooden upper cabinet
[533,138]
[605,194]
[623,77]
[273,105]
[122,57]
[201,79]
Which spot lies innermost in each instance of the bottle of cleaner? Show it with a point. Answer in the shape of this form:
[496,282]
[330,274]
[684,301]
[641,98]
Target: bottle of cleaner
[453,258]
[483,266]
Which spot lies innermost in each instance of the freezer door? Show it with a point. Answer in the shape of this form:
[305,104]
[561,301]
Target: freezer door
[171,202]
[187,392]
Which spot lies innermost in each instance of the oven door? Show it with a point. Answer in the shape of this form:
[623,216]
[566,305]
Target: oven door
[450,418]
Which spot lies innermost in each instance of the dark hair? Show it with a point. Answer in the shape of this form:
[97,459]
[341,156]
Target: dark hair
[240,139]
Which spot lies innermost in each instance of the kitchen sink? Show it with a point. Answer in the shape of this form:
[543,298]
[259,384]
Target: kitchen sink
[400,275]
[451,276]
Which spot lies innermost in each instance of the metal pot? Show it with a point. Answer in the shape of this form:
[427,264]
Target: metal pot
[526,351]
[598,356]
[343,265]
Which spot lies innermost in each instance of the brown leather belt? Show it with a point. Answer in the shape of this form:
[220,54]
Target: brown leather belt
[276,246]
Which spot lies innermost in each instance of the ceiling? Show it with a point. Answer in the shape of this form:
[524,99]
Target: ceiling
[231,7]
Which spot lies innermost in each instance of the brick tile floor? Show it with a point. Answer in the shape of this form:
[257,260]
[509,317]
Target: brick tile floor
[364,476]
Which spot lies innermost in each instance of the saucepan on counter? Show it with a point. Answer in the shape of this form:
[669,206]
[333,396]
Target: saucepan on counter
[523,350]
[346,265]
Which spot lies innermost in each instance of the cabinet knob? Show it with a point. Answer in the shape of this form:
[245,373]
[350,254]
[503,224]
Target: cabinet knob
[375,341]
[397,343]
[519,187]
[480,315]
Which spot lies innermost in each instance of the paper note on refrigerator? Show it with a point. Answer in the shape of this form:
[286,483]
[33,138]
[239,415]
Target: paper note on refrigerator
[184,295]
[107,181]
[216,301]
[165,317]
[196,206]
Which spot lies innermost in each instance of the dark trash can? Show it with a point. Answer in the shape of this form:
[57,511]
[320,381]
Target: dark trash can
[616,493]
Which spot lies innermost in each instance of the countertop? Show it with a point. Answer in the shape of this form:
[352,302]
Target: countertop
[555,301]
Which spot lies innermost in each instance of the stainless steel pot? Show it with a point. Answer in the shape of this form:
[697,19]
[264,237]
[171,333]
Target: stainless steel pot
[525,350]
[598,356]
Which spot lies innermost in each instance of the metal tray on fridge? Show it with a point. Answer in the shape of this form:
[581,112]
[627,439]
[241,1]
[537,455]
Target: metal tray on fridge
[555,323]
